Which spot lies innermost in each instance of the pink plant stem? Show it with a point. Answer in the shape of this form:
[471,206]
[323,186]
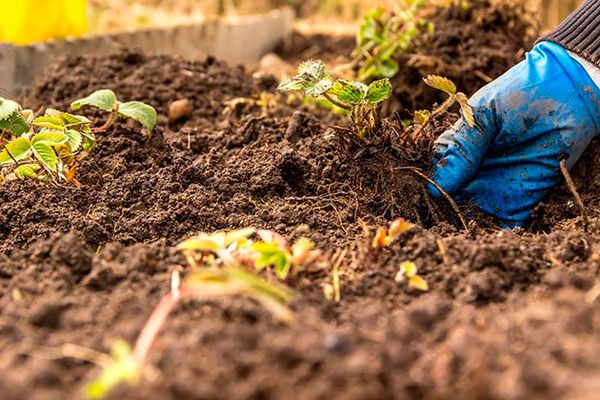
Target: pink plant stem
[155,322]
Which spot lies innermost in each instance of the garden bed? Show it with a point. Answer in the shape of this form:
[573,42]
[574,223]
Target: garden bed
[509,315]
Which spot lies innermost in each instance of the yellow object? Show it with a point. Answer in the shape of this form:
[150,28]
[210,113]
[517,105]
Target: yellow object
[31,21]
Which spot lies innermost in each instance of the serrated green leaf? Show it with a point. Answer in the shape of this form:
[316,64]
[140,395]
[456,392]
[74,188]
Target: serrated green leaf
[69,119]
[89,142]
[46,155]
[141,112]
[271,254]
[16,123]
[49,122]
[103,99]
[18,148]
[8,108]
[441,83]
[317,89]
[51,138]
[295,83]
[312,79]
[379,91]
[349,92]
[27,171]
[315,70]
[75,139]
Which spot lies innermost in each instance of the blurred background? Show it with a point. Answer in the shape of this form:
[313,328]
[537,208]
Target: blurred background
[77,17]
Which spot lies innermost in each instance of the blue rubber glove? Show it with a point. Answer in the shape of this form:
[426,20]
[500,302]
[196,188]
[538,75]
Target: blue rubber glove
[543,110]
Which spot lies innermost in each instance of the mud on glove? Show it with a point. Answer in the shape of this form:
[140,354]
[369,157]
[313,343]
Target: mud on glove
[542,111]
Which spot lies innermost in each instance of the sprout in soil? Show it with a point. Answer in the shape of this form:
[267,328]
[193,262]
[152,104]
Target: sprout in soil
[362,101]
[234,248]
[424,118]
[408,270]
[106,100]
[383,237]
[206,284]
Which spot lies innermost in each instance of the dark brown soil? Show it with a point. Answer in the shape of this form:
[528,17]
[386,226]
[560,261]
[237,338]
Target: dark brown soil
[509,315]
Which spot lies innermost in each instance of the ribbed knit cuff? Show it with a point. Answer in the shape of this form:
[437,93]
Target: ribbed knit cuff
[580,32]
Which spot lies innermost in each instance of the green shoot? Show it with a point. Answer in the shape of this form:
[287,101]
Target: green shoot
[445,85]
[123,368]
[204,285]
[106,100]
[383,237]
[409,270]
[363,101]
[234,248]
[11,118]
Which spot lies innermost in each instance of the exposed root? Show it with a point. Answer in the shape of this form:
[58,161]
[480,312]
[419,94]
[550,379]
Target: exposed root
[573,189]
[453,204]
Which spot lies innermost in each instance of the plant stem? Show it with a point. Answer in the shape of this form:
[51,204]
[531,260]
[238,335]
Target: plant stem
[436,113]
[154,324]
[336,103]
[111,119]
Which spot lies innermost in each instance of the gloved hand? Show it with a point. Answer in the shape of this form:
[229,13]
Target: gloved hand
[543,110]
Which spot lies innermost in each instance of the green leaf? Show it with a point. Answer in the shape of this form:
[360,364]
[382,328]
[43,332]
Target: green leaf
[349,92]
[441,83]
[89,142]
[69,119]
[295,83]
[49,122]
[75,139]
[312,79]
[46,155]
[141,112]
[15,123]
[18,148]
[27,171]
[271,254]
[123,369]
[51,138]
[379,91]
[103,99]
[8,108]
[314,69]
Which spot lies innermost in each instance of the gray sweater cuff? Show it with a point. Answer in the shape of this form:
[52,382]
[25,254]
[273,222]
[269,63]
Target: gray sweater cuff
[580,32]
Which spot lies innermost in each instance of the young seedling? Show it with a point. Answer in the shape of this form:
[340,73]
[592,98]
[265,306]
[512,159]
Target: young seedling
[106,100]
[204,285]
[408,270]
[383,237]
[362,101]
[43,148]
[424,118]
[274,251]
[234,248]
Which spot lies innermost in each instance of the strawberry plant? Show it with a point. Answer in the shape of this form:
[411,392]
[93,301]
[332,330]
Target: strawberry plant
[424,118]
[362,101]
[234,248]
[47,148]
[106,100]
